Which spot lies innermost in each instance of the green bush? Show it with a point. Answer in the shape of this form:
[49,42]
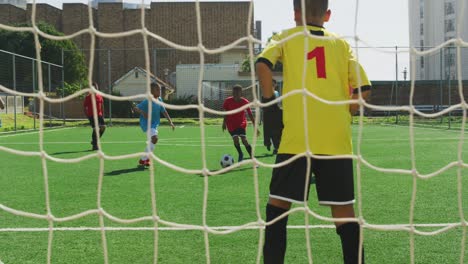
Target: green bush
[68,89]
[120,109]
[186,100]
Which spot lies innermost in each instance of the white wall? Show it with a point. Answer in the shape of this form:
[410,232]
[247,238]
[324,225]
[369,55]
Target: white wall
[435,34]
[187,76]
[132,85]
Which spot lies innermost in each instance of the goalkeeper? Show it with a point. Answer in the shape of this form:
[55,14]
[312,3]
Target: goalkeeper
[156,111]
[330,69]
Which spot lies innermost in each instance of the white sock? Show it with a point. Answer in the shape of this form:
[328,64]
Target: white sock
[149,149]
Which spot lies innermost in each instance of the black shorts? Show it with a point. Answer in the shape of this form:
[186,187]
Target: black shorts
[100,121]
[238,132]
[333,178]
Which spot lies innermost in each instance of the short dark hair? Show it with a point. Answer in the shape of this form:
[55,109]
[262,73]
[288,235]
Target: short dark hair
[237,87]
[314,8]
[155,85]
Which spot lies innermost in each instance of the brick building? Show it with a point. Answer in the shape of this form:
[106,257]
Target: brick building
[176,22]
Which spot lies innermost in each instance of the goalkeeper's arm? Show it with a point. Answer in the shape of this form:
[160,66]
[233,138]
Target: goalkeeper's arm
[365,92]
[265,76]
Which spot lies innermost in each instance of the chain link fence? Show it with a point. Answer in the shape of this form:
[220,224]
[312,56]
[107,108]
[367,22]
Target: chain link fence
[20,74]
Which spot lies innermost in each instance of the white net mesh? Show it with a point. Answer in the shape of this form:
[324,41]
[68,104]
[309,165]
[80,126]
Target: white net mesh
[210,94]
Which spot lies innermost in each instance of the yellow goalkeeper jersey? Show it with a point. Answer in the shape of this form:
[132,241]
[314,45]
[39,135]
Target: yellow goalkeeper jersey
[331,69]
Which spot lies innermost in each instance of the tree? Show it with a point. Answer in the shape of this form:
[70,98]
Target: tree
[245,66]
[75,69]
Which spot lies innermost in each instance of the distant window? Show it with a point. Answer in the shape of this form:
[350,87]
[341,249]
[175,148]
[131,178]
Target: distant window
[421,13]
[449,60]
[449,9]
[421,62]
[449,25]
[421,29]
[136,74]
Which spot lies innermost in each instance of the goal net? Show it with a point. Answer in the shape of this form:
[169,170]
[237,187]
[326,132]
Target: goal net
[411,194]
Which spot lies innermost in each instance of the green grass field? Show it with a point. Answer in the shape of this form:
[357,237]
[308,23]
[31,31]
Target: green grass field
[231,199]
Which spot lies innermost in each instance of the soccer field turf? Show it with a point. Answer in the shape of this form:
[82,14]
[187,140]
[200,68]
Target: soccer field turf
[73,188]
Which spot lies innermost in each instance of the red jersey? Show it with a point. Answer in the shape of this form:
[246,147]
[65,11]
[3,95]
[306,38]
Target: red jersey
[88,105]
[238,119]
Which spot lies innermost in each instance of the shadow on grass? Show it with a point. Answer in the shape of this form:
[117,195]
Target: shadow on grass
[71,152]
[123,171]
[228,172]
[266,155]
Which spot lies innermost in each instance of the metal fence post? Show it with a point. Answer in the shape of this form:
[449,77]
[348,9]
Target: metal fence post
[50,104]
[34,91]
[109,81]
[62,84]
[396,79]
[14,88]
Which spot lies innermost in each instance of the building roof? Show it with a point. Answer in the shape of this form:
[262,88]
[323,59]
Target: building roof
[153,78]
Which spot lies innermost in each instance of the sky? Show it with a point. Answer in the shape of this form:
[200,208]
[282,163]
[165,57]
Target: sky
[379,24]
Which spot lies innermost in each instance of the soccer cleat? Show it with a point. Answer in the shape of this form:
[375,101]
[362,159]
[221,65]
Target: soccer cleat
[147,163]
[141,163]
[268,147]
[95,147]
[241,157]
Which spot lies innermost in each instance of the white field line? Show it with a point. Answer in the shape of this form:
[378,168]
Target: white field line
[422,127]
[8,134]
[194,143]
[220,228]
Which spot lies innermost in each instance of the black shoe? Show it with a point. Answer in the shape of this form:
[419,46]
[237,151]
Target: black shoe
[268,148]
[275,152]
[95,147]
[241,157]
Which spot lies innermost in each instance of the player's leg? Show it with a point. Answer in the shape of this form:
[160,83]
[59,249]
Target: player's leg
[235,139]
[102,126]
[266,136]
[287,186]
[144,160]
[247,145]
[349,233]
[93,133]
[335,188]
[241,133]
[276,138]
[275,245]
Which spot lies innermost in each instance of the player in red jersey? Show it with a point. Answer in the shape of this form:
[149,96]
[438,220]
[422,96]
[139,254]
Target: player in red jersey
[236,123]
[88,110]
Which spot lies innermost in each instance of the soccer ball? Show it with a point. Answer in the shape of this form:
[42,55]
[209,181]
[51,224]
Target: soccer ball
[226,160]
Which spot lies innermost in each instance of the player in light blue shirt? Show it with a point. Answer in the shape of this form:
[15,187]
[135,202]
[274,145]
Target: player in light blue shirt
[156,111]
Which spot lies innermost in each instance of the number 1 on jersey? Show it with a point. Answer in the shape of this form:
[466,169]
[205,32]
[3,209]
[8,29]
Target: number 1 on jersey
[319,54]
